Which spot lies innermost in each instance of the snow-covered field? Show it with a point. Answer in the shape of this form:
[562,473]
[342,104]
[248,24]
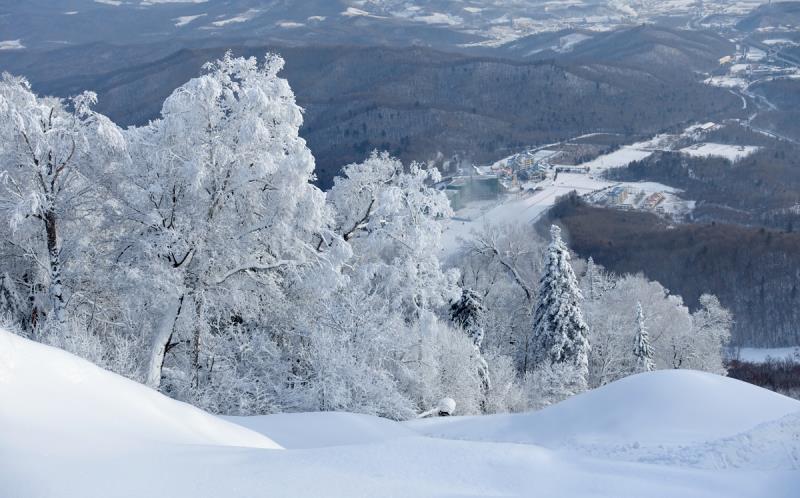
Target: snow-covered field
[527,207]
[761,355]
[732,153]
[516,208]
[726,82]
[11,45]
[617,159]
[71,430]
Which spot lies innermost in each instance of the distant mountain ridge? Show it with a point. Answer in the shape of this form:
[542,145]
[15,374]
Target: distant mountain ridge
[45,24]
[417,102]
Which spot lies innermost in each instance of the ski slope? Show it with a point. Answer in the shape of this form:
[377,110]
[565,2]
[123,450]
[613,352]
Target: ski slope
[617,159]
[71,430]
[522,208]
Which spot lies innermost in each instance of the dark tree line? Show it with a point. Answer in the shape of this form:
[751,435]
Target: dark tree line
[755,272]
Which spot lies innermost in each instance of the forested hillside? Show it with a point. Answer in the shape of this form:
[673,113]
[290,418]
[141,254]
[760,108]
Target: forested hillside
[418,102]
[745,267]
[762,189]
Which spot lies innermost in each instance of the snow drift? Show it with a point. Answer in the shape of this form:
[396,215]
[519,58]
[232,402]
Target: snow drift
[56,402]
[662,407]
[72,430]
[322,429]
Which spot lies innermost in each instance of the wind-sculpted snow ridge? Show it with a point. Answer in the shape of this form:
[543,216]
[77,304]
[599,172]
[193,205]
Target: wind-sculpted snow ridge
[71,430]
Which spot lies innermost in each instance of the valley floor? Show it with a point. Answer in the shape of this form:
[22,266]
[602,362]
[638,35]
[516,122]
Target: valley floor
[71,430]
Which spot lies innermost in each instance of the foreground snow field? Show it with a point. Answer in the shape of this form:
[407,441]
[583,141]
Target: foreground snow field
[71,430]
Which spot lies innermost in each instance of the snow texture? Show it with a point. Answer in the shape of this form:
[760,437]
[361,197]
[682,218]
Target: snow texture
[74,431]
[62,405]
[732,153]
[617,159]
[11,45]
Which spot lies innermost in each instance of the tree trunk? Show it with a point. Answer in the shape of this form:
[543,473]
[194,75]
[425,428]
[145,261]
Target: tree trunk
[196,343]
[486,383]
[161,342]
[54,255]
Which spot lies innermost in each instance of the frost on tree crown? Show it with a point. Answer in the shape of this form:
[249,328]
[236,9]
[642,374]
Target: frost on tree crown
[641,349]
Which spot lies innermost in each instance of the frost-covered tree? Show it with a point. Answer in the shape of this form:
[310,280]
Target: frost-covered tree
[353,353]
[507,393]
[711,330]
[391,215]
[596,281]
[560,334]
[613,328]
[12,303]
[642,351]
[52,153]
[227,219]
[550,383]
[677,338]
[468,314]
[440,364]
[502,264]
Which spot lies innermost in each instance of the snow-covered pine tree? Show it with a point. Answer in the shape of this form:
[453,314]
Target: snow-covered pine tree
[467,313]
[560,334]
[641,347]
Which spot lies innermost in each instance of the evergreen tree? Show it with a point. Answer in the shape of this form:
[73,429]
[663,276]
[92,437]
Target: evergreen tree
[560,334]
[467,313]
[641,348]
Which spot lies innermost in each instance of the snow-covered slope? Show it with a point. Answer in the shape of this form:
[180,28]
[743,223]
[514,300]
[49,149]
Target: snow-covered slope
[666,407]
[321,429]
[71,430]
[57,403]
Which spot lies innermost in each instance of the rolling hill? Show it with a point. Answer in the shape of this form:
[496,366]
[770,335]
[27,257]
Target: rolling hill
[74,431]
